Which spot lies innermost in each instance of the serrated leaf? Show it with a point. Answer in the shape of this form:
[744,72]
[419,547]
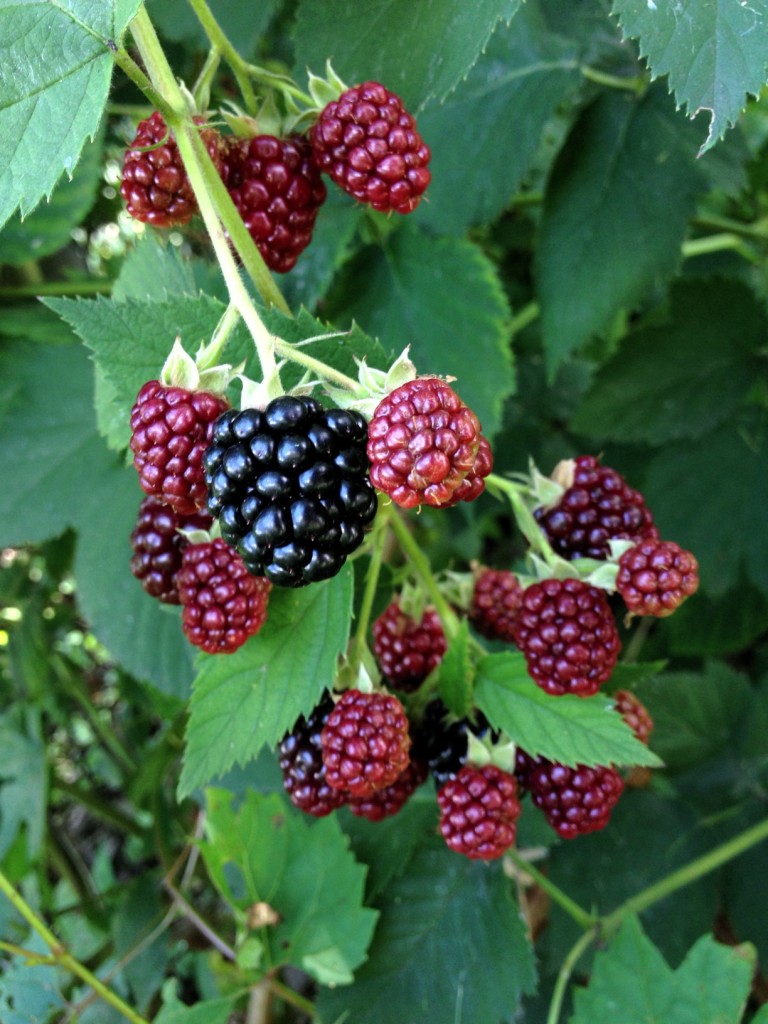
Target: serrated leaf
[30,994]
[50,226]
[244,24]
[443,297]
[249,699]
[306,874]
[209,1011]
[715,52]
[711,338]
[567,729]
[364,41]
[23,786]
[56,72]
[436,952]
[716,506]
[153,272]
[608,231]
[631,982]
[456,673]
[524,68]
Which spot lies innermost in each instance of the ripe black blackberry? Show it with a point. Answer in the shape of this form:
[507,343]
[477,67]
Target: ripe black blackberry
[442,741]
[290,487]
[300,757]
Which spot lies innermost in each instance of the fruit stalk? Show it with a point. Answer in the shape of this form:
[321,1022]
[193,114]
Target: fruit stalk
[220,42]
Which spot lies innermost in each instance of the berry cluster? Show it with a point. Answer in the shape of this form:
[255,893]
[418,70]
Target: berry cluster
[365,140]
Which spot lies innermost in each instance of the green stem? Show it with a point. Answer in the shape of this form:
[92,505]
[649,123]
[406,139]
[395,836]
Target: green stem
[526,316]
[563,900]
[62,957]
[636,85]
[302,358]
[420,563]
[523,516]
[129,67]
[101,808]
[718,243]
[757,230]
[201,91]
[289,996]
[211,354]
[32,291]
[686,875]
[280,82]
[32,958]
[377,542]
[221,43]
[564,976]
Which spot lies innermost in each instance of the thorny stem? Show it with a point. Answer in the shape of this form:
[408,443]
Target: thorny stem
[556,894]
[62,957]
[222,44]
[420,564]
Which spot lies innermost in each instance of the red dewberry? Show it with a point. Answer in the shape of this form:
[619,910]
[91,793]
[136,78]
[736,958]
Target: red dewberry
[300,757]
[635,714]
[158,546]
[388,801]
[406,650]
[155,186]
[566,630]
[171,428]
[479,809]
[223,604]
[597,507]
[575,801]
[423,443]
[368,143]
[496,601]
[365,742]
[656,576]
[278,192]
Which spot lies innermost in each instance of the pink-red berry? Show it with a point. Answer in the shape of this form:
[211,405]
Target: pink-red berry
[635,714]
[158,546]
[365,743]
[597,506]
[575,801]
[369,145]
[407,650]
[278,191]
[223,604]
[424,443]
[300,757]
[171,428]
[388,801]
[656,576]
[496,601]
[479,809]
[155,185]
[566,630]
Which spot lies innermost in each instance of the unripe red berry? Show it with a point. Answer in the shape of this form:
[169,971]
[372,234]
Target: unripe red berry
[656,576]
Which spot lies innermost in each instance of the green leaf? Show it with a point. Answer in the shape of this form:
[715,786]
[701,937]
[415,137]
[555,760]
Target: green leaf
[631,982]
[364,40]
[524,68]
[209,1011]
[443,298]
[456,673]
[608,230]
[23,787]
[451,945]
[244,24]
[136,917]
[249,699]
[715,505]
[58,67]
[569,730]
[714,52]
[708,628]
[152,272]
[713,332]
[305,873]
[29,994]
[694,713]
[49,227]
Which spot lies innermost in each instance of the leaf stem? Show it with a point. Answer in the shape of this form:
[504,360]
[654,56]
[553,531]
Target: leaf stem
[289,996]
[302,358]
[377,542]
[556,894]
[687,874]
[527,525]
[564,975]
[129,67]
[527,315]
[420,564]
[62,957]
[220,42]
[718,243]
[636,84]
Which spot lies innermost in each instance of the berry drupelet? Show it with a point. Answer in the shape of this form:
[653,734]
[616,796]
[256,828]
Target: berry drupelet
[170,429]
[407,650]
[575,801]
[479,809]
[389,801]
[290,487]
[496,600]
[598,506]
[223,603]
[278,191]
[656,576]
[368,143]
[566,630]
[158,547]
[425,446]
[300,757]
